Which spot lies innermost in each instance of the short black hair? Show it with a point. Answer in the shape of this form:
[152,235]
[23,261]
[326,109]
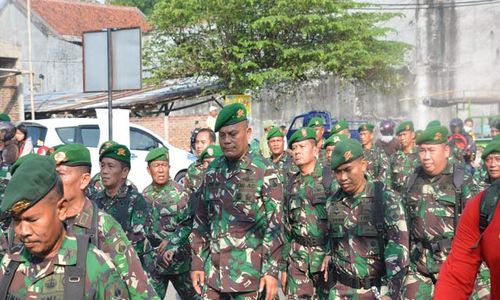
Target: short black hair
[211,134]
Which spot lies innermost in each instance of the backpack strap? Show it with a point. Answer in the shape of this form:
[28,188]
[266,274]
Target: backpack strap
[378,217]
[74,276]
[7,277]
[412,179]
[93,232]
[286,206]
[458,181]
[489,203]
[326,179]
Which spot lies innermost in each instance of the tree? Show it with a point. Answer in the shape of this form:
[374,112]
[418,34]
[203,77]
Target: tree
[146,6]
[249,44]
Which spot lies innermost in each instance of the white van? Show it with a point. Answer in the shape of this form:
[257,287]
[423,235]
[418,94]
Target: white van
[91,132]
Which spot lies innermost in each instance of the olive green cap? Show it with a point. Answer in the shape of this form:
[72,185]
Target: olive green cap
[366,127]
[118,152]
[4,117]
[19,161]
[32,180]
[433,123]
[302,134]
[334,139]
[106,145]
[405,126]
[341,125]
[316,122]
[346,151]
[418,133]
[211,151]
[274,132]
[157,154]
[229,115]
[492,147]
[72,155]
[433,135]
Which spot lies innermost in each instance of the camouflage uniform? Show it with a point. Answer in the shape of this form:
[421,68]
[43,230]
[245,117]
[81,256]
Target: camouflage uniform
[44,279]
[305,234]
[194,176]
[430,204]
[284,166]
[236,236]
[378,165]
[96,186]
[135,215]
[402,166]
[112,240]
[3,243]
[355,242]
[174,225]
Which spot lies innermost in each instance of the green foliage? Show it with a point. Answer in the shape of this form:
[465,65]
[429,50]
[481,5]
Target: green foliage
[249,44]
[146,6]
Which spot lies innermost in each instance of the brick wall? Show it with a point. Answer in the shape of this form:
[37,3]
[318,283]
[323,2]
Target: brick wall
[9,97]
[174,129]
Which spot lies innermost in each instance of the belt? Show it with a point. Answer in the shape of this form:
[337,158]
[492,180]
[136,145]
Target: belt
[438,246]
[355,282]
[309,241]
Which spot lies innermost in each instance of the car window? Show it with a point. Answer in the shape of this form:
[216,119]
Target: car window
[37,134]
[141,140]
[90,135]
[66,134]
[298,123]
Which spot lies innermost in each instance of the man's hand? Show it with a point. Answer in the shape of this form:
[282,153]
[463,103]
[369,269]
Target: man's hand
[167,257]
[162,247]
[324,267]
[198,279]
[283,281]
[271,285]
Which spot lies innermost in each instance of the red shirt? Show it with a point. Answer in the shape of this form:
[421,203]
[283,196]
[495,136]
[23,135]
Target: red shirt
[458,273]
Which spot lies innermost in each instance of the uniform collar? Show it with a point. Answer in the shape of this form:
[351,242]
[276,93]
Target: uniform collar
[84,218]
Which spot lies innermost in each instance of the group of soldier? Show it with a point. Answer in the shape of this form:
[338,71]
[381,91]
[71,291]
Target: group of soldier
[330,218]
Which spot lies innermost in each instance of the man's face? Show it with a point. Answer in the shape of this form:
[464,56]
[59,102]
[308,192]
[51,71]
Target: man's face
[351,176]
[113,173]
[319,132]
[469,124]
[159,171]
[406,138]
[276,145]
[74,180]
[492,163]
[366,137]
[213,113]
[304,152]
[40,227]
[329,151]
[201,142]
[233,140]
[494,131]
[455,129]
[434,158]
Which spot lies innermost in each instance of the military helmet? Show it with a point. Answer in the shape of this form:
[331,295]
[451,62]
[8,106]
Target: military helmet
[387,127]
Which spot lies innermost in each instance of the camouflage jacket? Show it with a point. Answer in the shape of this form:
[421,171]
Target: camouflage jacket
[96,186]
[304,213]
[112,240]
[430,204]
[174,224]
[193,178]
[135,215]
[284,166]
[378,165]
[35,279]
[236,236]
[481,176]
[3,243]
[402,166]
[355,241]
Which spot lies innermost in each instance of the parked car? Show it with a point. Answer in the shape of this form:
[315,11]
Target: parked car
[87,131]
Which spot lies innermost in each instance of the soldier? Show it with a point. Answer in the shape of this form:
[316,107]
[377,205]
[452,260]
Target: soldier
[280,159]
[264,148]
[192,181]
[73,165]
[387,141]
[341,127]
[51,264]
[305,220]
[368,232]
[378,163]
[434,196]
[331,142]
[405,160]
[236,238]
[173,260]
[209,155]
[96,184]
[124,203]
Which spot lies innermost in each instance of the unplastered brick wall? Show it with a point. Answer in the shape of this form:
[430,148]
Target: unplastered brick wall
[8,97]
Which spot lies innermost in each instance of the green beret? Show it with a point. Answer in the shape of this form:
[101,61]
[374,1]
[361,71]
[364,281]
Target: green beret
[106,145]
[211,151]
[346,151]
[366,127]
[4,117]
[118,152]
[274,132]
[334,139]
[433,123]
[31,181]
[495,123]
[229,115]
[404,126]
[316,122]
[341,125]
[19,161]
[492,147]
[418,133]
[72,155]
[302,134]
[157,154]
[433,135]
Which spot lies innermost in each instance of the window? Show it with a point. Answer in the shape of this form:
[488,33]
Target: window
[67,134]
[140,140]
[37,134]
[90,135]
[298,123]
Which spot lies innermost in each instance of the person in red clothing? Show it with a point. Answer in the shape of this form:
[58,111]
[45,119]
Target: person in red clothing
[470,248]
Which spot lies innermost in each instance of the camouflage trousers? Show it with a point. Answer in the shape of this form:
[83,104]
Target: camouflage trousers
[304,285]
[341,291]
[181,282]
[212,294]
